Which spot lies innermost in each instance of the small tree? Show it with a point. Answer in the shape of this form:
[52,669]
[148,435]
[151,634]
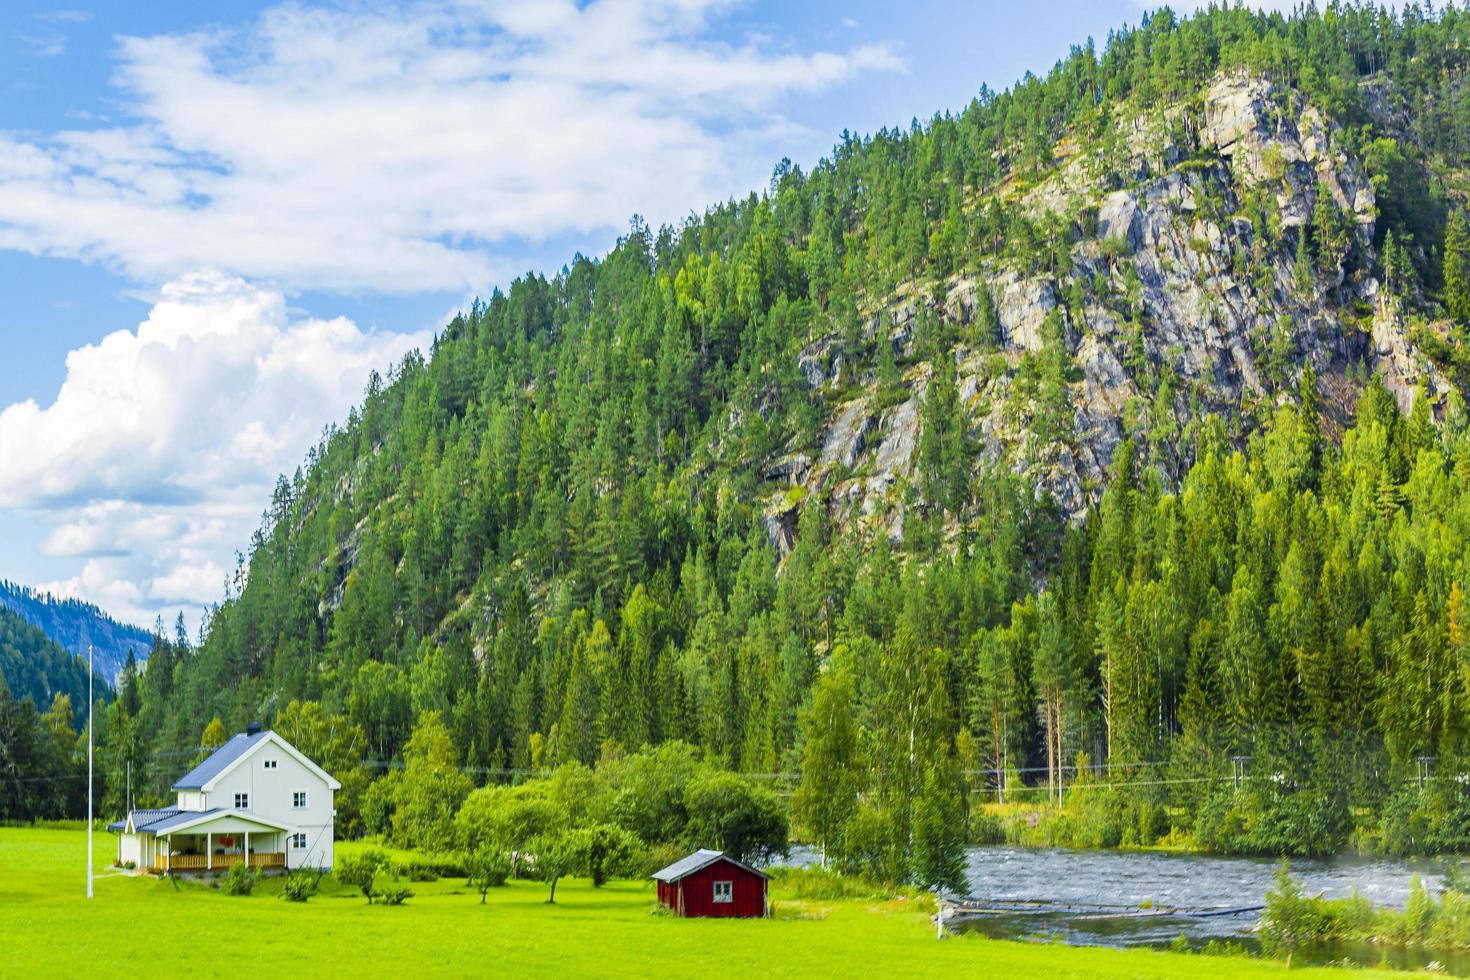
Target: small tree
[603,851]
[747,822]
[361,870]
[488,868]
[828,795]
[555,858]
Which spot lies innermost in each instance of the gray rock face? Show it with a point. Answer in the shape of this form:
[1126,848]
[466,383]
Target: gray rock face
[847,435]
[1175,304]
[820,362]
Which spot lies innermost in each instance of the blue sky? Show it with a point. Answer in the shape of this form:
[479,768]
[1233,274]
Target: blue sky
[256,203]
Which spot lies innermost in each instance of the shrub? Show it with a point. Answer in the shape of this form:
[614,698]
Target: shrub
[298,887]
[429,869]
[396,896]
[986,828]
[239,880]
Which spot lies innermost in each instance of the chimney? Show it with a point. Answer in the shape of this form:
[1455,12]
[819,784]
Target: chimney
[253,728]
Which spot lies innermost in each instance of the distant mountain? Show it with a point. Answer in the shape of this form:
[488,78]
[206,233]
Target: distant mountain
[74,624]
[35,666]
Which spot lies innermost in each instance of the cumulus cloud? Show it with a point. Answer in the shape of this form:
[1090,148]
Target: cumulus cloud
[393,149]
[158,453]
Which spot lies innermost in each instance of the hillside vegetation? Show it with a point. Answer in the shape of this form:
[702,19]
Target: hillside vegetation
[1114,421]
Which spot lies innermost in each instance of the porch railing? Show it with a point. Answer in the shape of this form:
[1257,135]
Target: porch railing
[221,862]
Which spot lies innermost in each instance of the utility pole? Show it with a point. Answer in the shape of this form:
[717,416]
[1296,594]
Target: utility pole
[91,702]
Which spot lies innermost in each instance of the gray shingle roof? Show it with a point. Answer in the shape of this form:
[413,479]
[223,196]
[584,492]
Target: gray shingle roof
[219,760]
[702,858]
[142,818]
[181,817]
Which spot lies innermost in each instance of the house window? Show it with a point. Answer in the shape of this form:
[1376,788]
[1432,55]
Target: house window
[242,801]
[270,763]
[298,842]
[724,891]
[298,800]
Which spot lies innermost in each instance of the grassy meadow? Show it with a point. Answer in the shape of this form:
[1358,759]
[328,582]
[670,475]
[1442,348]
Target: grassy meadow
[141,926]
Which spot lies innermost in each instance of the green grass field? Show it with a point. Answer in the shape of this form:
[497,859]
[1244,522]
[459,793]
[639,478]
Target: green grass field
[140,927]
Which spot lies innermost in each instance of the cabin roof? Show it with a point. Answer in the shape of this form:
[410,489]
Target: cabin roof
[700,859]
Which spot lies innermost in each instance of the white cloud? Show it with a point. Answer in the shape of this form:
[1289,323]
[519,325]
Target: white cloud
[156,457]
[394,149]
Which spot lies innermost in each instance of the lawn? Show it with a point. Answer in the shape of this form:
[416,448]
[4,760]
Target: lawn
[139,926]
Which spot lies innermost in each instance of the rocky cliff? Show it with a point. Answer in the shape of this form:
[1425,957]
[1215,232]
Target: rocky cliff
[1177,295]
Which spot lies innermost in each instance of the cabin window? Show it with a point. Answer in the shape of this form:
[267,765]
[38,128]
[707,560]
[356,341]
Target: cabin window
[298,842]
[270,763]
[298,800]
[724,891]
[242,801]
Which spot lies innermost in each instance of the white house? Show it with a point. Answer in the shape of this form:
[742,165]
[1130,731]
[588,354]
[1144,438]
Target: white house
[256,797]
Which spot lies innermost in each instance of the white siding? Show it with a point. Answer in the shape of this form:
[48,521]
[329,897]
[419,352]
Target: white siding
[271,792]
[190,800]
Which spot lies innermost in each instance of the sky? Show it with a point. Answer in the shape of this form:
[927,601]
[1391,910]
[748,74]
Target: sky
[216,217]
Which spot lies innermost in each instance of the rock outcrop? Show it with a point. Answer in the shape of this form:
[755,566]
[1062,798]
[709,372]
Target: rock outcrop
[1174,302]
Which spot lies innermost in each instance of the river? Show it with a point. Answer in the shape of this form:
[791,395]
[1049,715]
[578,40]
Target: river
[1094,898]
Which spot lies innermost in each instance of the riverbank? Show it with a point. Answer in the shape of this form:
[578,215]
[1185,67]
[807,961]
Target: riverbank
[444,931]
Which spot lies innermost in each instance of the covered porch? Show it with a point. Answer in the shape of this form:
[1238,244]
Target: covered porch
[214,842]
[206,852]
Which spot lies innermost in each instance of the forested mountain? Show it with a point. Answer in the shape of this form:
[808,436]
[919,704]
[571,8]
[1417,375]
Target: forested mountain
[76,624]
[1115,420]
[33,666]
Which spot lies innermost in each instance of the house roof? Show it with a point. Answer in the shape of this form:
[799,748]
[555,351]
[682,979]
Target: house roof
[142,818]
[229,755]
[219,760]
[185,819]
[702,858]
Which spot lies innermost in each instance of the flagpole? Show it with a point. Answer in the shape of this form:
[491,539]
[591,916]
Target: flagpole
[90,702]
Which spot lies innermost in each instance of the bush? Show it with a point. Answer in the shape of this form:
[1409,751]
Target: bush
[1432,820]
[396,896]
[1265,819]
[239,880]
[986,828]
[430,869]
[298,887]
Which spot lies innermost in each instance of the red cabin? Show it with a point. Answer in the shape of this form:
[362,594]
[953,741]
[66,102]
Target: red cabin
[707,883]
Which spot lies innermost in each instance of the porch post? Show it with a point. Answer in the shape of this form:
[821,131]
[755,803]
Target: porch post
[247,848]
[209,850]
[168,853]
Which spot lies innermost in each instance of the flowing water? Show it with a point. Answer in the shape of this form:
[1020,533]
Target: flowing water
[1134,898]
